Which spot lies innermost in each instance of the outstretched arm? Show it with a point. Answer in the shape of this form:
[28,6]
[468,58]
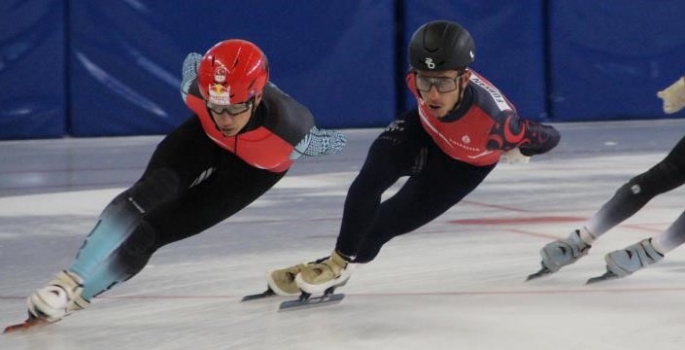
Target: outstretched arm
[529,137]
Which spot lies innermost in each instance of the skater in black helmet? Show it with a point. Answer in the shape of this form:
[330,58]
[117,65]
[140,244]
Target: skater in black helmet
[446,145]
[242,139]
[665,176]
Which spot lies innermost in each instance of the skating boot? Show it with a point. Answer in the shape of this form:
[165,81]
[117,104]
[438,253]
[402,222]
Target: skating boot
[58,299]
[621,263]
[561,253]
[282,281]
[326,275]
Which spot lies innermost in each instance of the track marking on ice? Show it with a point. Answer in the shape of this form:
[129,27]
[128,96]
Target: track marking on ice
[586,290]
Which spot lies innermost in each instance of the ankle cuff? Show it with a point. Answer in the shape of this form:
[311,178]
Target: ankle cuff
[656,245]
[343,256]
[586,236]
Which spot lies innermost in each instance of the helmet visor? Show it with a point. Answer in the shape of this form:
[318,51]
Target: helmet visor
[442,84]
[233,109]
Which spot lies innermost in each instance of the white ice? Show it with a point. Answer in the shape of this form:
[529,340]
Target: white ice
[456,283]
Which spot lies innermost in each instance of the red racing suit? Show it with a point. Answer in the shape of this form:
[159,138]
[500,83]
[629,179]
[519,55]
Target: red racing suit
[485,125]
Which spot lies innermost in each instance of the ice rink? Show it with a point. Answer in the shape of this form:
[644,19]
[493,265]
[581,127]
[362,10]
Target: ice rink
[456,283]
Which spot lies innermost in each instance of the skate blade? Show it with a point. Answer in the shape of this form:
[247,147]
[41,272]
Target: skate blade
[30,323]
[605,277]
[301,303]
[266,294]
[544,271]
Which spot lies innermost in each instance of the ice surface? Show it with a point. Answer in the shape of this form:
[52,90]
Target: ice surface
[456,283]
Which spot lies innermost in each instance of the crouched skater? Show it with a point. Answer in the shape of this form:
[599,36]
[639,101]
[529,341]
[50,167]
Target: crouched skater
[447,145]
[242,139]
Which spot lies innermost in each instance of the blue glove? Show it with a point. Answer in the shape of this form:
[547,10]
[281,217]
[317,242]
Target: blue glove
[190,65]
[329,142]
[319,142]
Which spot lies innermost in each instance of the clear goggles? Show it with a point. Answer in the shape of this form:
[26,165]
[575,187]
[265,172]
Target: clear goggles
[442,84]
[233,109]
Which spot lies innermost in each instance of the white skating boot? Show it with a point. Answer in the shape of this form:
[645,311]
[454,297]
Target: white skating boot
[59,298]
[621,263]
[560,253]
[632,258]
[332,272]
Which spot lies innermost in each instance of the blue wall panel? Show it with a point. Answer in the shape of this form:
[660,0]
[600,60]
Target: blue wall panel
[509,38]
[602,60]
[610,57]
[335,57]
[32,81]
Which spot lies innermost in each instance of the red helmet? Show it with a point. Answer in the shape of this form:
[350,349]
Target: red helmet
[232,72]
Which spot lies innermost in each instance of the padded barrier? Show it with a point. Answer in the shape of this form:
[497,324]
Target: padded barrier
[126,56]
[556,60]
[610,57]
[32,76]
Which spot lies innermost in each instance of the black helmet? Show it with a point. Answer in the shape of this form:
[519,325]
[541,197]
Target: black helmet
[441,45]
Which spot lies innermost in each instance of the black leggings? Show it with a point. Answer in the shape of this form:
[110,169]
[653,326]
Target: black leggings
[436,183]
[230,184]
[190,184]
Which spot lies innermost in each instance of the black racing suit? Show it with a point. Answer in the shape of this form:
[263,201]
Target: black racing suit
[193,181]
[437,181]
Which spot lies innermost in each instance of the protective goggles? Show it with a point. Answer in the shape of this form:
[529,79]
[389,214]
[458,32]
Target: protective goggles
[442,84]
[233,109]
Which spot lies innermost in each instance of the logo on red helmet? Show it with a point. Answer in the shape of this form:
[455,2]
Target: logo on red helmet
[219,94]
[220,74]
